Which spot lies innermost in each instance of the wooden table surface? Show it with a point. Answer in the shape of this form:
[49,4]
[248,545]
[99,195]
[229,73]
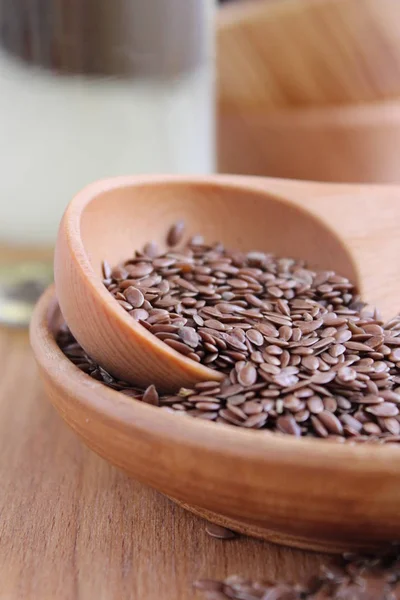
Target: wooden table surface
[74,528]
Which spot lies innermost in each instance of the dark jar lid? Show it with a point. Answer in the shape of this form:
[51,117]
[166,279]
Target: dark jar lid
[126,38]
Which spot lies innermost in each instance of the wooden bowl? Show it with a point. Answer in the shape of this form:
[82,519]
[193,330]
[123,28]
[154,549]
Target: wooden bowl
[307,493]
[302,492]
[109,219]
[342,144]
[302,53]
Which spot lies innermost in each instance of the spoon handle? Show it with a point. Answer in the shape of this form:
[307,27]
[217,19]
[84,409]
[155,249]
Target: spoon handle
[366,220]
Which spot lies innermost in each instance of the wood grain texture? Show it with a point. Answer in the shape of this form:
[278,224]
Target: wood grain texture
[302,53]
[308,89]
[341,144]
[74,528]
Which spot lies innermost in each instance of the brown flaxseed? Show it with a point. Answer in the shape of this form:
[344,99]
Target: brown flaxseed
[301,353]
[353,577]
[150,396]
[219,532]
[134,296]
[175,234]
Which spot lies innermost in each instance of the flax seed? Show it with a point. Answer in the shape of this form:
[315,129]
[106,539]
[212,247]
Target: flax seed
[300,352]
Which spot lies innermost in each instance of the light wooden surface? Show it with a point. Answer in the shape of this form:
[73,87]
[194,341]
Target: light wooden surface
[352,143]
[308,89]
[299,53]
[74,528]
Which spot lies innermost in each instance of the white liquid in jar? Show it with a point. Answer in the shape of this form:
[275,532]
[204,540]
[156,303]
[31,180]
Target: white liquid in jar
[57,134]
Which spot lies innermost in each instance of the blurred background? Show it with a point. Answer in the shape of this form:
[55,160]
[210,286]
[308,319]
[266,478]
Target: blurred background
[304,89]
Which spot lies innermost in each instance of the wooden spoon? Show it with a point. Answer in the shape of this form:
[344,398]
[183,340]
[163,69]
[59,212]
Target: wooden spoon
[351,229]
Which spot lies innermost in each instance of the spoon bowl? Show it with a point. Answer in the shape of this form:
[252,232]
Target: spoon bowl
[110,219]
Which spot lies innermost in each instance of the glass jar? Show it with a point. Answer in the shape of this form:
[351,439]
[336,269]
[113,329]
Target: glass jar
[98,88]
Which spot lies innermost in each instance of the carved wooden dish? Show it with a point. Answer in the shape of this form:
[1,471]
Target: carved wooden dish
[302,492]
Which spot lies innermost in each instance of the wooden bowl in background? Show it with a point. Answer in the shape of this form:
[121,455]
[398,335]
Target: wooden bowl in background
[342,144]
[302,53]
[308,89]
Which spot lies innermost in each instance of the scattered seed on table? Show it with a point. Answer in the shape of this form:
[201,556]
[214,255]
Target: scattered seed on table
[352,577]
[217,531]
